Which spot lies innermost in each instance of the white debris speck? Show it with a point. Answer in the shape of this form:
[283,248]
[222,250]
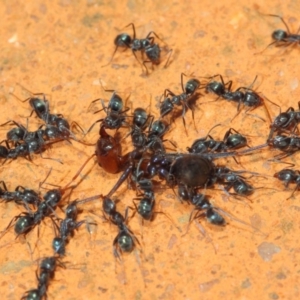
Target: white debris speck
[294,83]
[14,39]
[267,250]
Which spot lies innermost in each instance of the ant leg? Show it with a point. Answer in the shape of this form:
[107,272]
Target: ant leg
[76,125]
[133,52]
[111,57]
[275,42]
[181,79]
[116,250]
[152,32]
[133,29]
[282,20]
[144,64]
[183,119]
[168,60]
[254,116]
[279,157]
[98,121]
[3,185]
[55,159]
[78,172]
[168,93]
[98,99]
[123,177]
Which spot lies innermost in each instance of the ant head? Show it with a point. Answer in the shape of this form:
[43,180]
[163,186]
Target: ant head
[52,197]
[115,103]
[23,224]
[159,127]
[123,40]
[236,141]
[72,210]
[214,217]
[48,263]
[285,175]
[125,241]
[145,208]
[279,35]
[15,134]
[140,117]
[58,245]
[191,86]
[40,106]
[282,120]
[280,142]
[216,87]
[241,187]
[108,206]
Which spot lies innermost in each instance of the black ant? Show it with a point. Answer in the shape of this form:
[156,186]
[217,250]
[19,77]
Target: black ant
[38,105]
[288,144]
[289,176]
[66,228]
[25,149]
[188,93]
[243,95]
[20,133]
[139,124]
[154,137]
[115,114]
[46,273]
[283,38]
[125,240]
[286,120]
[146,45]
[42,110]
[204,208]
[232,140]
[21,195]
[26,221]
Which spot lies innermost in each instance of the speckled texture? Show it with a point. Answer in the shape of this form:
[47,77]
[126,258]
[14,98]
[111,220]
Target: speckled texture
[58,47]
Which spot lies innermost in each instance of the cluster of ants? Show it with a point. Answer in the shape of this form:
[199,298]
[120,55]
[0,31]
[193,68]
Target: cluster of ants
[23,143]
[148,164]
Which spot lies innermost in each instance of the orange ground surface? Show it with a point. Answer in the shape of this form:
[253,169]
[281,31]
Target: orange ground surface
[58,47]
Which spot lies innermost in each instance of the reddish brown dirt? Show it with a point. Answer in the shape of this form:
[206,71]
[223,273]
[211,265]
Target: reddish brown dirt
[58,47]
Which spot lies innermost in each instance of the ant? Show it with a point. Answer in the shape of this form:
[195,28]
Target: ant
[125,239]
[115,115]
[286,120]
[42,110]
[146,45]
[205,209]
[46,273]
[20,133]
[188,93]
[243,95]
[26,221]
[66,228]
[21,195]
[154,138]
[139,124]
[283,38]
[232,140]
[24,149]
[288,144]
[289,176]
